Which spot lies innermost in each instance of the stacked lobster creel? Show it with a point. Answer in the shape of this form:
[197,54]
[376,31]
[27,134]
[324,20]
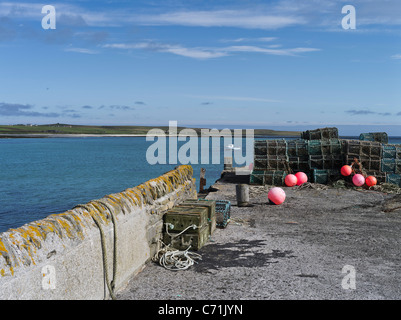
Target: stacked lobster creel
[372,156]
[320,154]
[391,163]
[364,157]
[270,162]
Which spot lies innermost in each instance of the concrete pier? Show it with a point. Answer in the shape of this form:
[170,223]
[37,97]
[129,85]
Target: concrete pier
[63,256]
[315,246]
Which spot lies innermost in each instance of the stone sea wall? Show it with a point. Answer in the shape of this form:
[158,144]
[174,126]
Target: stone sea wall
[63,256]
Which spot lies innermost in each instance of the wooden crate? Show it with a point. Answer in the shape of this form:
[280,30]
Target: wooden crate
[180,218]
[193,241]
[210,205]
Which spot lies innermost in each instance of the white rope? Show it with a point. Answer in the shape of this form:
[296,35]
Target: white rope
[193,226]
[174,259]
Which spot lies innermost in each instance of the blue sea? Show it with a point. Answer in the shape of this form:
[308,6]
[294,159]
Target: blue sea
[43,176]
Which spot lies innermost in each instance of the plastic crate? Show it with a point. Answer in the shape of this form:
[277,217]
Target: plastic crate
[223,213]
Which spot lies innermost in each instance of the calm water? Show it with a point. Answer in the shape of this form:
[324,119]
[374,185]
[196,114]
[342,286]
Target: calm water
[39,177]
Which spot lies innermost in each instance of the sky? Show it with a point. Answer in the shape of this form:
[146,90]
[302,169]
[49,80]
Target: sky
[244,64]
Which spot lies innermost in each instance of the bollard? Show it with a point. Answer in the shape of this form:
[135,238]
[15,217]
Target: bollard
[242,191]
[202,180]
[228,163]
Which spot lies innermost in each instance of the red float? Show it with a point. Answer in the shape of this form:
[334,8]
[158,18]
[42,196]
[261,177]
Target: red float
[301,177]
[371,181]
[346,170]
[290,180]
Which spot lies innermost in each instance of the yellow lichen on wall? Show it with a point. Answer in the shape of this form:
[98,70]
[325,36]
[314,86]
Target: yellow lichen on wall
[24,242]
[2,247]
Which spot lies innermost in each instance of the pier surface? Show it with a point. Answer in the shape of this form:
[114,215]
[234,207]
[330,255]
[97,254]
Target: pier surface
[320,244]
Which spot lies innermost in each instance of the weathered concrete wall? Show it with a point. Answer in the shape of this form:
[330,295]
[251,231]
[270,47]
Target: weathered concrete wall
[61,257]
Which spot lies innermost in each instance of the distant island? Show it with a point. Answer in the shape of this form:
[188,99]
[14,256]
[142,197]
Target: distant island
[24,130]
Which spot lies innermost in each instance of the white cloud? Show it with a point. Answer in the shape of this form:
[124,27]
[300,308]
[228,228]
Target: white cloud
[396,56]
[81,50]
[208,53]
[193,53]
[277,52]
[196,53]
[262,39]
[221,18]
[233,98]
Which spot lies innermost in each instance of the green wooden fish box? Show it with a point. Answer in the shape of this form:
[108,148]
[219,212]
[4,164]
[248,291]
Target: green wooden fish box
[211,210]
[180,218]
[187,240]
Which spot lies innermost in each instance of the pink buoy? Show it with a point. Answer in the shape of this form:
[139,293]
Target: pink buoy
[290,180]
[358,180]
[276,195]
[301,178]
[346,170]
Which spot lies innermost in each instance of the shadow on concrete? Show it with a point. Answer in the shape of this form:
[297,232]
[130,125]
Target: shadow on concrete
[243,253]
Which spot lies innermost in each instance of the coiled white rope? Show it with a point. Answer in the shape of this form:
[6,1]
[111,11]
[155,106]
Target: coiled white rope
[174,259]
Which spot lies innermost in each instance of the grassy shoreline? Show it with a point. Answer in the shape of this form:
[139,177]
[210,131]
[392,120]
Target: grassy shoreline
[79,130]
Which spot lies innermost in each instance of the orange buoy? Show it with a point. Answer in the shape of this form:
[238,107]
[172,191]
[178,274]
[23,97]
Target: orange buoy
[358,180]
[301,178]
[290,180]
[276,195]
[346,170]
[371,181]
